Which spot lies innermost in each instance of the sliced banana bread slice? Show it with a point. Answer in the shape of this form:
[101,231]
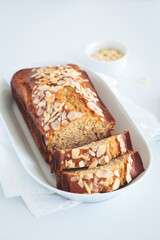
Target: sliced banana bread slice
[93,154]
[105,178]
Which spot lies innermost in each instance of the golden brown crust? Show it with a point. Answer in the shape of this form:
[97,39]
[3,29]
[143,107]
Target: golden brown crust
[86,156]
[23,86]
[106,178]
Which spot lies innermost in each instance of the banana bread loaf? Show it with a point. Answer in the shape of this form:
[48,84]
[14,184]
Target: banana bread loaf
[105,178]
[99,152]
[61,107]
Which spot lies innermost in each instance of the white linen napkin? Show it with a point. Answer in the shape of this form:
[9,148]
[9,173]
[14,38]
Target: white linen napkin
[16,181]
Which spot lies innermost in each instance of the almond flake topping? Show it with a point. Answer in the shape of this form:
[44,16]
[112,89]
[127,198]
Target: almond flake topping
[48,81]
[80,183]
[73,179]
[88,176]
[87,187]
[116,184]
[93,164]
[75,153]
[55,125]
[116,173]
[128,176]
[81,164]
[95,188]
[104,173]
[101,150]
[122,144]
[91,153]
[103,160]
[94,148]
[47,116]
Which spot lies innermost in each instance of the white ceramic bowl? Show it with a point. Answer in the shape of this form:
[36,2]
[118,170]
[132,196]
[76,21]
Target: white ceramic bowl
[115,67]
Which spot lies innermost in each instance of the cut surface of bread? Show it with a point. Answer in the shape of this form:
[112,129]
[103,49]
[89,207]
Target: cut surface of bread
[93,154]
[61,107]
[105,178]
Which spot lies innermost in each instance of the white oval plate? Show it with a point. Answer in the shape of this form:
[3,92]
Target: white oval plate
[28,152]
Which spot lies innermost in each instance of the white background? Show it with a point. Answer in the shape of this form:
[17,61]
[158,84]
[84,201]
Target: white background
[35,31]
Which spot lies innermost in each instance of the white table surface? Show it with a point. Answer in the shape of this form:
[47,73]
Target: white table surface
[35,31]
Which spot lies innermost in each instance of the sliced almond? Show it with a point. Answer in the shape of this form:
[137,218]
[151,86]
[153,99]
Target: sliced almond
[130,160]
[40,111]
[57,88]
[70,164]
[60,82]
[51,98]
[65,122]
[73,115]
[93,164]
[95,188]
[103,160]
[122,144]
[87,187]
[110,181]
[46,127]
[74,179]
[51,89]
[94,148]
[75,153]
[61,105]
[116,173]
[95,108]
[48,94]
[116,184]
[128,176]
[36,100]
[46,117]
[96,179]
[88,176]
[80,183]
[49,107]
[63,115]
[101,182]
[90,185]
[99,113]
[104,173]
[55,117]
[42,104]
[54,113]
[85,157]
[55,125]
[81,164]
[101,150]
[90,105]
[43,87]
[92,153]
[106,183]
